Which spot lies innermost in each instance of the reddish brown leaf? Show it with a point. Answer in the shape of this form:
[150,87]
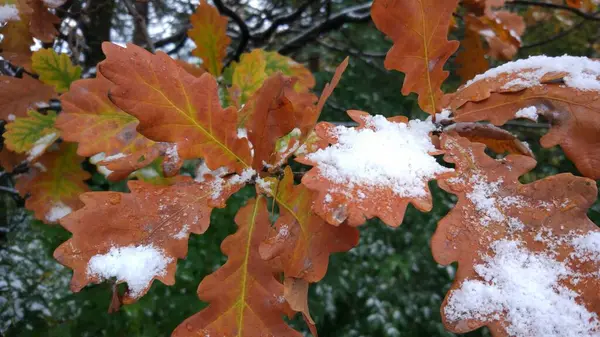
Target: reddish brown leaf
[495,138]
[19,59]
[301,238]
[555,93]
[502,31]
[471,58]
[419,29]
[137,237]
[98,126]
[17,95]
[296,294]
[42,25]
[523,270]
[244,297]
[54,184]
[174,106]
[374,170]
[9,160]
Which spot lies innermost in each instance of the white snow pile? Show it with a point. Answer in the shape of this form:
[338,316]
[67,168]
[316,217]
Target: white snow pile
[136,265]
[525,288]
[58,211]
[530,112]
[392,155]
[41,145]
[582,73]
[9,13]
[97,158]
[587,247]
[219,183]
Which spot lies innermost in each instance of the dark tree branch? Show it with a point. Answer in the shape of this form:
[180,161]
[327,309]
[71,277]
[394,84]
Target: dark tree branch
[262,37]
[141,24]
[244,38]
[358,13]
[555,37]
[553,6]
[9,190]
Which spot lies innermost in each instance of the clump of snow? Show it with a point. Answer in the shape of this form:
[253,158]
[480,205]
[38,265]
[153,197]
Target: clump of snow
[182,234]
[11,117]
[529,113]
[114,157]
[390,155]
[582,73]
[41,145]
[136,265]
[242,133]
[9,13]
[525,288]
[264,185]
[203,170]
[95,159]
[172,154]
[148,172]
[58,211]
[218,183]
[245,177]
[587,247]
[443,116]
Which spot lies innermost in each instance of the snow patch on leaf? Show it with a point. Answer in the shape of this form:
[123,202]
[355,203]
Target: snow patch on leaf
[529,113]
[9,13]
[136,265]
[386,154]
[58,211]
[526,287]
[41,145]
[582,72]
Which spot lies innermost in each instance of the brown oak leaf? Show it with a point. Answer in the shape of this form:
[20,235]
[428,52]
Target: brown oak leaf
[527,264]
[17,95]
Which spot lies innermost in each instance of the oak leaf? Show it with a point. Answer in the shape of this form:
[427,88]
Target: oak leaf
[9,159]
[54,184]
[502,31]
[526,261]
[209,33]
[98,126]
[296,294]
[419,30]
[495,138]
[16,35]
[18,59]
[471,58]
[560,89]
[287,66]
[137,237]
[245,298]
[32,134]
[374,170]
[54,69]
[175,106]
[43,23]
[18,95]
[300,237]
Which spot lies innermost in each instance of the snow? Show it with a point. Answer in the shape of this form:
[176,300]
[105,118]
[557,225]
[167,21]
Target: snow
[41,145]
[183,233]
[444,115]
[58,211]
[526,289]
[529,113]
[390,155]
[582,73]
[114,157]
[136,265]
[264,185]
[146,172]
[54,3]
[587,247]
[172,154]
[9,13]
[242,133]
[95,159]
[218,183]
[203,170]
[11,117]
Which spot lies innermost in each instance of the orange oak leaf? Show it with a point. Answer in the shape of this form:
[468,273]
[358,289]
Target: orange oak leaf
[560,89]
[191,68]
[54,184]
[209,33]
[527,253]
[300,237]
[481,7]
[19,59]
[175,106]
[9,160]
[98,126]
[502,31]
[42,24]
[296,294]
[245,298]
[16,35]
[419,29]
[137,237]
[271,117]
[495,138]
[471,58]
[374,170]
[17,95]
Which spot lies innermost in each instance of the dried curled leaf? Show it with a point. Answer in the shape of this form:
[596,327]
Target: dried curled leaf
[175,106]
[54,184]
[527,254]
[565,90]
[495,138]
[245,298]
[137,237]
[209,33]
[419,29]
[33,134]
[98,126]
[374,170]
[18,95]
[54,69]
[300,237]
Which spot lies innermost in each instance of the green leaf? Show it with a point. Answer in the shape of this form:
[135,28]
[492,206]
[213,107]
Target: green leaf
[33,134]
[54,69]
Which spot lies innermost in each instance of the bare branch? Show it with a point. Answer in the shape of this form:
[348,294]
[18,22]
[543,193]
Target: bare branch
[245,37]
[554,6]
[141,22]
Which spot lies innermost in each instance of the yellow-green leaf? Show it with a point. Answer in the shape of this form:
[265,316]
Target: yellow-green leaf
[33,134]
[249,75]
[277,62]
[55,69]
[209,33]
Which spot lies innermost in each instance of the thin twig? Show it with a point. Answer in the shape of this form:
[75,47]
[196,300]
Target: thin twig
[142,22]
[554,6]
